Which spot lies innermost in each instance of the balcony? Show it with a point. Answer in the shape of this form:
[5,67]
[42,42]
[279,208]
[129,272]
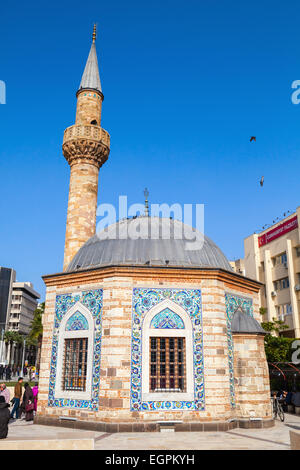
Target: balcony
[91,132]
[280,271]
[283,296]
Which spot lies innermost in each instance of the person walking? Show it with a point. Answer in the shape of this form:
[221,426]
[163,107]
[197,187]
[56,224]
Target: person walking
[16,399]
[1,371]
[35,391]
[28,403]
[4,391]
[8,373]
[4,417]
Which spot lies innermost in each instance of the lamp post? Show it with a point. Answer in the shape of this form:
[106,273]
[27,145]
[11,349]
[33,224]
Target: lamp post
[2,341]
[23,356]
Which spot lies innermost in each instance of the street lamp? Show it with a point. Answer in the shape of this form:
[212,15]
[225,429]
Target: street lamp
[2,340]
[23,356]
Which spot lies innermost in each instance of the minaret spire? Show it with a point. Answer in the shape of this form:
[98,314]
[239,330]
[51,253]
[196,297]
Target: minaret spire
[95,32]
[146,194]
[86,148]
[91,77]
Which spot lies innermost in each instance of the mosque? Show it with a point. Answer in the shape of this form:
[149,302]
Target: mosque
[142,334]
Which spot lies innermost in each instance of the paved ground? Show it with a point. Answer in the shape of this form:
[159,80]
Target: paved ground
[276,438]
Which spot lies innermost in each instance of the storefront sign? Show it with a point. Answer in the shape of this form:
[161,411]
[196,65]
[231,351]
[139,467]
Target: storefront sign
[278,231]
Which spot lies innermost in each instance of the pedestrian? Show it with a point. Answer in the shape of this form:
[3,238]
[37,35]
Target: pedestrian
[8,373]
[17,397]
[30,374]
[4,391]
[28,403]
[1,371]
[35,391]
[4,417]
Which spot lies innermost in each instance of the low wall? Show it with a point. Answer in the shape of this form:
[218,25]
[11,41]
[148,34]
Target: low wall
[215,426]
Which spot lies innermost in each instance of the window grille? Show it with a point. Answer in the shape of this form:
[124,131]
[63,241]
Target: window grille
[75,364]
[167,365]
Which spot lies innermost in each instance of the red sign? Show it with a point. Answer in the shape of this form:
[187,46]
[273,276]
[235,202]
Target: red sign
[278,231]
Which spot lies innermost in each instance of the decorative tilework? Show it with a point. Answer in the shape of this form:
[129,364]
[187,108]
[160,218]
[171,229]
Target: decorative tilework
[167,319]
[143,301]
[233,303]
[77,322]
[92,300]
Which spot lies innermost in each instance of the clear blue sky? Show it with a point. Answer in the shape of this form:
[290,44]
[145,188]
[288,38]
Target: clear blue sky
[185,83]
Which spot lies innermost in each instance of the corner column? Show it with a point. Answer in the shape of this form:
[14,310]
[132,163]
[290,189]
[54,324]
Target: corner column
[252,387]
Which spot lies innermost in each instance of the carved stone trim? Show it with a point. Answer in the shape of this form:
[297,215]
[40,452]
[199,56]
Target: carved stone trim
[83,150]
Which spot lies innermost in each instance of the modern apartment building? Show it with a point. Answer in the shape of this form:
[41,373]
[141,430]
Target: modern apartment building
[273,258]
[18,301]
[23,304]
[238,266]
[7,277]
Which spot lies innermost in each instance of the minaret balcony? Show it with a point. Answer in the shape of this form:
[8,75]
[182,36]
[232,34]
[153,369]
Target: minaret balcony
[86,142]
[90,132]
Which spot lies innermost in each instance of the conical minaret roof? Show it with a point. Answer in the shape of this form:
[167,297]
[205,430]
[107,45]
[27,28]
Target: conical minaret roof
[91,77]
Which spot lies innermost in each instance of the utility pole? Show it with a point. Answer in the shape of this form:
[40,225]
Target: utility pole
[2,340]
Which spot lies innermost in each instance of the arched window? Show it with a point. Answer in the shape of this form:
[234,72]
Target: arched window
[94,122]
[167,363]
[75,353]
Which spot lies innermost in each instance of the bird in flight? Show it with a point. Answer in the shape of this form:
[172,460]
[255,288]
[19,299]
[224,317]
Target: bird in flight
[262,180]
[253,138]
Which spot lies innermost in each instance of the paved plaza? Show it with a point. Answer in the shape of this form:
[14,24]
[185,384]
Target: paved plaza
[276,438]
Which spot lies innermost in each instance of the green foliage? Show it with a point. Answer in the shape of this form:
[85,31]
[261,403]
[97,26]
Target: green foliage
[278,349]
[36,331]
[13,337]
[13,383]
[262,311]
[274,326]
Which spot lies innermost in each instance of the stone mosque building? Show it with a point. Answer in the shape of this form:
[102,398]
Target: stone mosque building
[141,333]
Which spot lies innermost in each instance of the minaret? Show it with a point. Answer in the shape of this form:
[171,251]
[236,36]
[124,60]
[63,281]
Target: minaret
[86,147]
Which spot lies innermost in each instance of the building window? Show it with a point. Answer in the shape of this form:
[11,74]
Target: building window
[282,284]
[167,364]
[75,364]
[280,259]
[284,309]
[298,251]
[288,309]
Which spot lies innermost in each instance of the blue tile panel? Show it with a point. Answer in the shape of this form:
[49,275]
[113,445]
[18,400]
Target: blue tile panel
[143,300]
[233,303]
[92,300]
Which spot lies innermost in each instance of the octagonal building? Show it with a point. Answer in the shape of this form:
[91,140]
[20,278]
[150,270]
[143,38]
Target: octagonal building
[149,331]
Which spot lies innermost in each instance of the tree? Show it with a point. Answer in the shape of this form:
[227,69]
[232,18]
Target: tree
[36,332]
[278,349]
[11,337]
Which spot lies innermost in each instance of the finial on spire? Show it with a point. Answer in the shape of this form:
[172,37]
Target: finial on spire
[146,194]
[95,32]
